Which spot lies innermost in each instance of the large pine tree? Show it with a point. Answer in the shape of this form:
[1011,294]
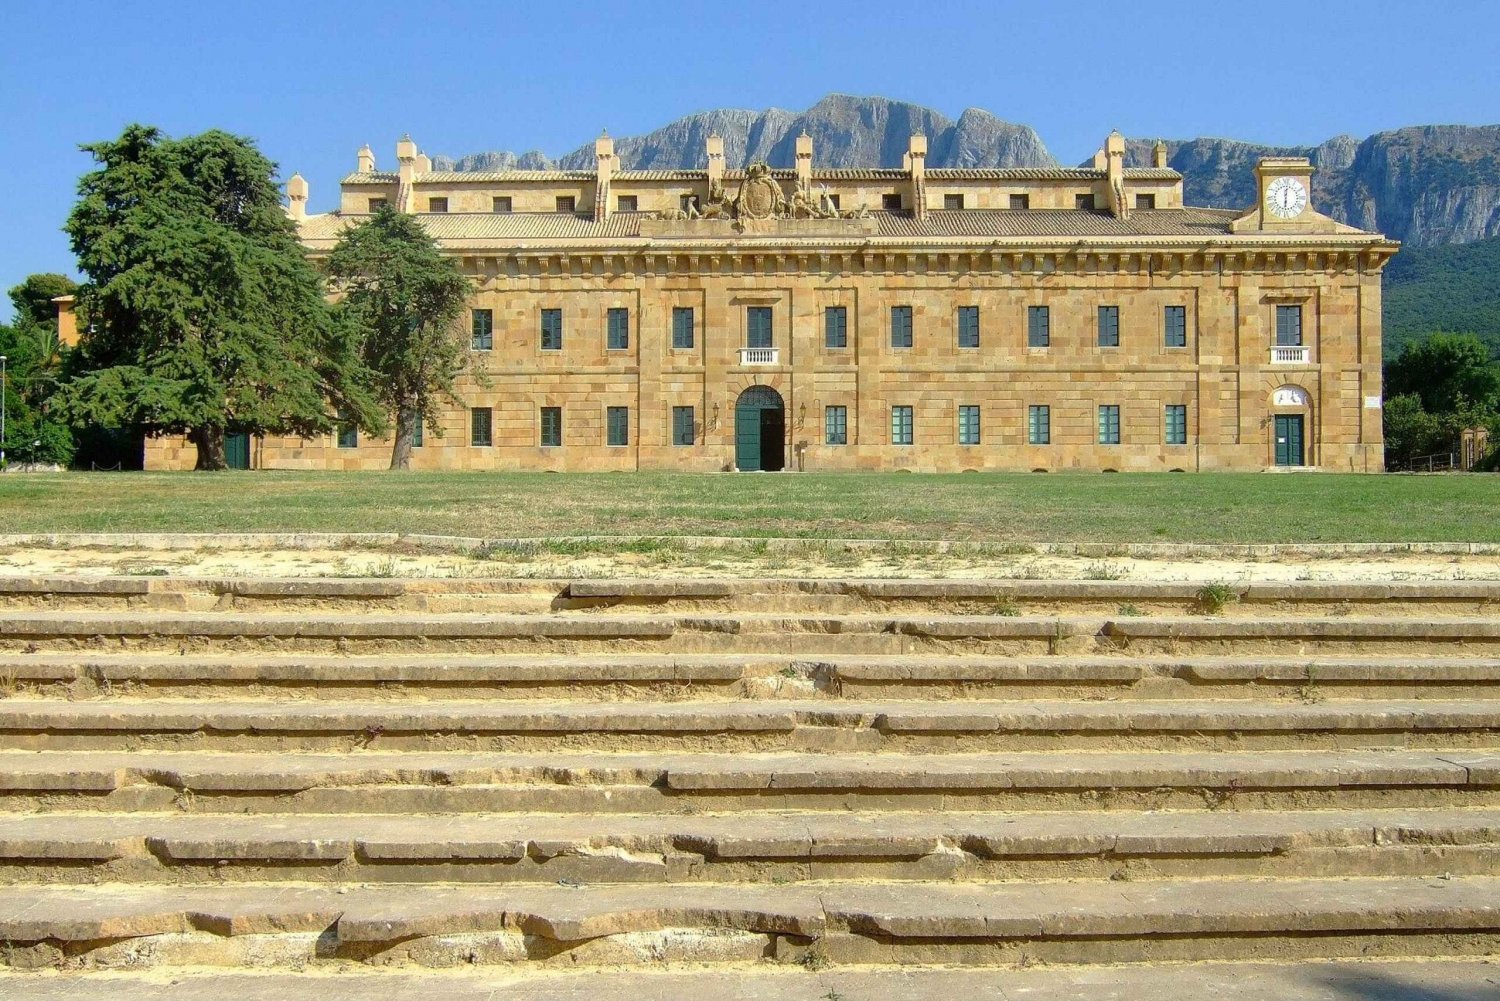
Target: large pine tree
[204,315]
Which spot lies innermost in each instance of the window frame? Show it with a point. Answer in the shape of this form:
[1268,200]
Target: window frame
[1167,315]
[967,315]
[481,340]
[903,425]
[890,201]
[755,317]
[1290,310]
[550,313]
[679,329]
[627,203]
[835,330]
[1109,424]
[1039,424]
[555,414]
[1085,203]
[417,435]
[901,327]
[434,201]
[836,424]
[1033,327]
[1174,424]
[953,201]
[1019,201]
[489,427]
[1108,326]
[678,412]
[502,205]
[567,204]
[1145,201]
[611,415]
[617,328]
[970,424]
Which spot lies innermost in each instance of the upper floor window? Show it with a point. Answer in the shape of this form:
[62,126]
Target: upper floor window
[900,326]
[1174,326]
[500,203]
[552,330]
[953,201]
[1288,326]
[1038,327]
[836,327]
[1084,203]
[758,327]
[482,329]
[682,326]
[437,205]
[891,201]
[1109,326]
[617,323]
[567,203]
[1020,202]
[1109,424]
[626,203]
[968,326]
[376,204]
[1145,201]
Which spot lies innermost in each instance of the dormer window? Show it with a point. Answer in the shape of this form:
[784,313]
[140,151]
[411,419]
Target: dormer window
[437,205]
[500,203]
[953,202]
[891,202]
[1145,201]
[567,203]
[376,204]
[1084,203]
[1020,203]
[626,203]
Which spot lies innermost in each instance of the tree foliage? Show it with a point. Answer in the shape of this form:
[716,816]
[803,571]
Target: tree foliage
[1447,372]
[1455,287]
[33,298]
[406,300]
[205,316]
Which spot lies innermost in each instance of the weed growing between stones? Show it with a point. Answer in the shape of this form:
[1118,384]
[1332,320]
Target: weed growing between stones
[1213,597]
[1007,607]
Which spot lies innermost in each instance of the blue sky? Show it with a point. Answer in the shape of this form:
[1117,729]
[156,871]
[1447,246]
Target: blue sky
[312,80]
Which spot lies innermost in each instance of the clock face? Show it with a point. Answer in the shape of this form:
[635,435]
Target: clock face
[1286,197]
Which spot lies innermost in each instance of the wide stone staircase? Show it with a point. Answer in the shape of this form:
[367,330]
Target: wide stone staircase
[698,788]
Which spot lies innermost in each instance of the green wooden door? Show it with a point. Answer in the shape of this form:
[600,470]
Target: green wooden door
[1289,440]
[237,451]
[749,427]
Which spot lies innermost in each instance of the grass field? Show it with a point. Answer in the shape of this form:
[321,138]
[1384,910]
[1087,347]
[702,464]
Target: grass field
[979,507]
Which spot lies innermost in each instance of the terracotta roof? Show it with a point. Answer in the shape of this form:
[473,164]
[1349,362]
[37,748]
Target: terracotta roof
[372,177]
[1056,223]
[505,176]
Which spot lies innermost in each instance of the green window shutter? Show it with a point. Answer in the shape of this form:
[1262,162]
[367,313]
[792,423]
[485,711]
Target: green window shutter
[900,326]
[1039,425]
[1038,327]
[758,327]
[836,425]
[901,426]
[551,427]
[1175,323]
[1176,424]
[968,425]
[683,426]
[682,326]
[482,329]
[617,421]
[481,426]
[968,326]
[1109,424]
[1109,326]
[416,432]
[619,328]
[836,327]
[1288,326]
[552,330]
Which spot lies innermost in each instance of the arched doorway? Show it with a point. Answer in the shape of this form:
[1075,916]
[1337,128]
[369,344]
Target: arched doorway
[1289,410]
[759,430]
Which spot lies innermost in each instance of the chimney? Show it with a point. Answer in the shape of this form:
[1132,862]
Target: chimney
[424,163]
[1114,175]
[1159,154]
[715,146]
[604,165]
[366,158]
[916,165]
[296,195]
[804,161]
[406,156]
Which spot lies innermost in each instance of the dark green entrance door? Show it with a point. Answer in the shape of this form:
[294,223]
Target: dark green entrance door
[237,451]
[1289,440]
[759,430]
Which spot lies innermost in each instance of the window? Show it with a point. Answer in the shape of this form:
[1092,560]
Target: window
[1174,326]
[833,200]
[567,203]
[625,203]
[1109,326]
[1288,326]
[1038,327]
[1109,424]
[551,330]
[953,201]
[348,431]
[481,426]
[682,425]
[758,332]
[1084,203]
[437,205]
[900,326]
[376,204]
[482,329]
[968,425]
[618,328]
[1038,425]
[1020,202]
[551,427]
[682,326]
[901,428]
[500,203]
[1176,424]
[687,202]
[617,425]
[836,425]
[836,327]
[416,432]
[968,326]
[1145,201]
[891,202]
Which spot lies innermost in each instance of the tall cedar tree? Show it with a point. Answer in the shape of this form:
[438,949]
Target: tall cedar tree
[205,316]
[406,300]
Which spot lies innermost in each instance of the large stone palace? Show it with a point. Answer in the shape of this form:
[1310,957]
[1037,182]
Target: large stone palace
[879,319]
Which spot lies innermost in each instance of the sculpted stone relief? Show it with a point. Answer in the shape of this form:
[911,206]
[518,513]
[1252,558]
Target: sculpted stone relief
[760,197]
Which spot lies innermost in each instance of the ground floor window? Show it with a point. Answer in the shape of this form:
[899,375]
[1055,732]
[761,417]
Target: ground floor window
[617,425]
[1109,424]
[682,425]
[836,425]
[968,425]
[348,431]
[1039,425]
[551,427]
[1176,424]
[482,426]
[901,426]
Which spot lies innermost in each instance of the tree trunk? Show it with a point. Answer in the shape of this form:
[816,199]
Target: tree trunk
[406,422]
[210,442]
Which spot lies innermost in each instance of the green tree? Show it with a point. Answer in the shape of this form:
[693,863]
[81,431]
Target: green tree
[1447,372]
[205,316]
[406,300]
[33,297]
[1410,430]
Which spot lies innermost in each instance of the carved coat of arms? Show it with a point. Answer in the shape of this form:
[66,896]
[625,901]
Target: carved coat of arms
[760,196]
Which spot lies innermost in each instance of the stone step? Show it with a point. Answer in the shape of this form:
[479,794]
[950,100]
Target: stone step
[745,633]
[620,677]
[1338,980]
[968,925]
[767,847]
[576,782]
[820,725]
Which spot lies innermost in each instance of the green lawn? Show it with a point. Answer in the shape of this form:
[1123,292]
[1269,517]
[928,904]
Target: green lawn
[982,507]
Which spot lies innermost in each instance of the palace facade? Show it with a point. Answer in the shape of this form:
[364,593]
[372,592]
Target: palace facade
[880,319]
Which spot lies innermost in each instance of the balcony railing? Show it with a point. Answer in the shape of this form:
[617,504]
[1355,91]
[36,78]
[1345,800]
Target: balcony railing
[1291,354]
[759,356]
